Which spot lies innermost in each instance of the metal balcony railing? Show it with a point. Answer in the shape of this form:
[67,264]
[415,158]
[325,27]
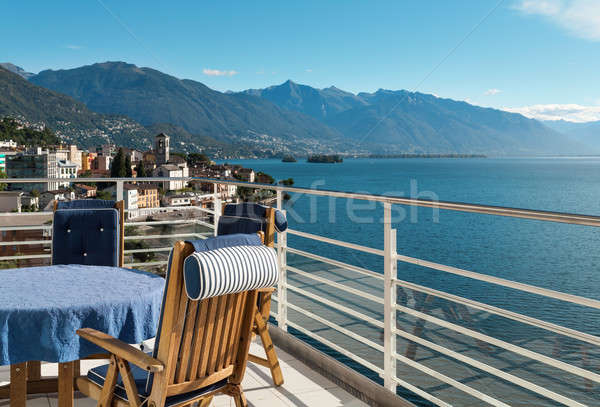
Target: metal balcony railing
[367,318]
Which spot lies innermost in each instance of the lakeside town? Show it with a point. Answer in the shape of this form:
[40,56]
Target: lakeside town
[68,162]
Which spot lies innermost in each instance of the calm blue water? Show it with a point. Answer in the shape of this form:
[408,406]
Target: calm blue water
[555,256]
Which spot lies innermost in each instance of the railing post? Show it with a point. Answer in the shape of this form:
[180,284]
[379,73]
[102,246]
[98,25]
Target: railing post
[217,207]
[119,191]
[282,285]
[389,317]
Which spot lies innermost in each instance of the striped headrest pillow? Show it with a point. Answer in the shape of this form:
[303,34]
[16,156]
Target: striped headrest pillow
[229,270]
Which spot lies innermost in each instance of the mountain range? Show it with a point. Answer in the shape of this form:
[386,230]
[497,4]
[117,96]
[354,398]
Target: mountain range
[295,118]
[149,97]
[587,133]
[69,118]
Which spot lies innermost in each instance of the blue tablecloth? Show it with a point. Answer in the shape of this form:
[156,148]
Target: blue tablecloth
[41,307]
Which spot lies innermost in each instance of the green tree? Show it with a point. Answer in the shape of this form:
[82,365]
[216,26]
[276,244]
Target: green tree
[128,171]
[117,169]
[106,195]
[140,169]
[287,182]
[194,159]
[3,185]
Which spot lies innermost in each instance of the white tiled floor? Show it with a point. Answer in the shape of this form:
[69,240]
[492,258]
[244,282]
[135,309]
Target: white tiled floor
[302,387]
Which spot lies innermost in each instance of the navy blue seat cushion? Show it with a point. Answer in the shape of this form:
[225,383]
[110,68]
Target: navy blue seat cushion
[219,242]
[98,375]
[248,217]
[86,236]
[85,204]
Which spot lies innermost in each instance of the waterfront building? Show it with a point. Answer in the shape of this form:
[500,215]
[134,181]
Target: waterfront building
[42,165]
[171,171]
[66,170]
[246,174]
[10,201]
[8,144]
[130,196]
[101,163]
[85,191]
[148,196]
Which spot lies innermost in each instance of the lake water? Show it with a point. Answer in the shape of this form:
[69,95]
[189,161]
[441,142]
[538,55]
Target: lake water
[556,256]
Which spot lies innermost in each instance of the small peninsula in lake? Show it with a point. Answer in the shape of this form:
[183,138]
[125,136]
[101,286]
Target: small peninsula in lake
[322,158]
[288,159]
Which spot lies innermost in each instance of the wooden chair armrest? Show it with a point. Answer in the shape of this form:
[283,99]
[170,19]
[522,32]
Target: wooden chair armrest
[121,349]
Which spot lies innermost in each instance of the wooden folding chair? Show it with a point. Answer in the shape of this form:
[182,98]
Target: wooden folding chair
[260,327]
[202,350]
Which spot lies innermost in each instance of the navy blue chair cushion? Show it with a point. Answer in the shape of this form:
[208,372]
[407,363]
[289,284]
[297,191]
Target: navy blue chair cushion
[247,217]
[85,204]
[86,236]
[98,375]
[218,242]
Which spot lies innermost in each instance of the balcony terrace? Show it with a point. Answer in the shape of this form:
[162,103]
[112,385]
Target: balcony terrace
[347,327]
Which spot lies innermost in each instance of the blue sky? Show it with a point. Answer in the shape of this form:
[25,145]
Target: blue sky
[539,57]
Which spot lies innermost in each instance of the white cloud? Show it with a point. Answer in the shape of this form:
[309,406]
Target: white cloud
[492,92]
[568,112]
[216,72]
[580,17]
[72,46]
[308,70]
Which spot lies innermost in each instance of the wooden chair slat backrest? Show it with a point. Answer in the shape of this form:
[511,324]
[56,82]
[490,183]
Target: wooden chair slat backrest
[202,342]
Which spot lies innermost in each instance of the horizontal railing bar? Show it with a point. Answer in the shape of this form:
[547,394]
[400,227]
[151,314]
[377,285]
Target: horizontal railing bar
[140,237]
[168,208]
[25,227]
[149,249]
[25,242]
[561,330]
[452,382]
[336,242]
[209,225]
[337,285]
[336,347]
[336,306]
[550,216]
[26,257]
[420,392]
[503,282]
[20,214]
[336,263]
[150,263]
[163,222]
[490,369]
[502,344]
[336,327]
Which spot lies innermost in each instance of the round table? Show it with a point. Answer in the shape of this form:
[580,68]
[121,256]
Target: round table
[42,307]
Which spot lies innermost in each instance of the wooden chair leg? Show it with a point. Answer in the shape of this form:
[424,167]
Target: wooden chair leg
[34,370]
[110,382]
[205,402]
[235,391]
[129,382]
[18,385]
[273,361]
[66,377]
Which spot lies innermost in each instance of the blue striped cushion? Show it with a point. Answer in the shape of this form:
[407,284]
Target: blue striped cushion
[229,270]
